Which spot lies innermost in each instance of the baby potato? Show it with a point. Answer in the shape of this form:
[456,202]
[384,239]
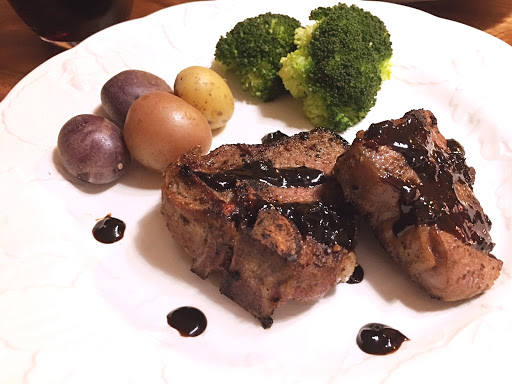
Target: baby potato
[160,127]
[92,149]
[119,93]
[208,92]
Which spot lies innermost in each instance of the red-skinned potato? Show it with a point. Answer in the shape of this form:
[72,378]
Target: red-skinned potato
[160,127]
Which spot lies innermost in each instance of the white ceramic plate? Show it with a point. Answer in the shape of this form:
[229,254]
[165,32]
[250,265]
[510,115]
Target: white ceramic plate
[73,310]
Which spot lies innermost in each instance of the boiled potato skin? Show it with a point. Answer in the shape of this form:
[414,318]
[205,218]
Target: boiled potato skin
[120,91]
[208,92]
[160,127]
[92,149]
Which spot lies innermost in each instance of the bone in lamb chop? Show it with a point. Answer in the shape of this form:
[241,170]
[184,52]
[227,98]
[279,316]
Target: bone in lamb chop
[269,217]
[416,190]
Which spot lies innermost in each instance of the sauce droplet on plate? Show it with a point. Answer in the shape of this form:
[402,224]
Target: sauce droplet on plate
[109,230]
[188,321]
[379,339]
[357,276]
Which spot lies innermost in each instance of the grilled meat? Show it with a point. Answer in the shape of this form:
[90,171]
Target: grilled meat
[268,217]
[416,190]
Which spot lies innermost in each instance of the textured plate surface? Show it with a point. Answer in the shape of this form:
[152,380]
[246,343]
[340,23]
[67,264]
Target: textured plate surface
[77,311]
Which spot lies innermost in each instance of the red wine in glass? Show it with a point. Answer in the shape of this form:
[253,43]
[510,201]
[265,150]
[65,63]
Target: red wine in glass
[67,22]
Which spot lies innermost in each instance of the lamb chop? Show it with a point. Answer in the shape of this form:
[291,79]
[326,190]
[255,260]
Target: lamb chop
[417,192]
[268,217]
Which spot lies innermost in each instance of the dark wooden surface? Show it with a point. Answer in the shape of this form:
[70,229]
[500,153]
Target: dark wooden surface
[22,50]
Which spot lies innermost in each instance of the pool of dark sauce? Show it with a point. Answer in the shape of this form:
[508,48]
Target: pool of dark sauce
[357,276]
[188,321]
[432,201]
[379,339]
[109,230]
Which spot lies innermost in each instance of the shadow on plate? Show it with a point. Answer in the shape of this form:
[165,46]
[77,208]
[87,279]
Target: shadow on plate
[285,108]
[79,184]
[140,177]
[136,176]
[389,280]
[154,242]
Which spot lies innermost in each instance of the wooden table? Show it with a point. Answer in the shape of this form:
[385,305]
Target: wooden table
[22,50]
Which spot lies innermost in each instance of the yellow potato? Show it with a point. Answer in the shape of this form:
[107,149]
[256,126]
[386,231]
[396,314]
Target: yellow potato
[208,92]
[160,127]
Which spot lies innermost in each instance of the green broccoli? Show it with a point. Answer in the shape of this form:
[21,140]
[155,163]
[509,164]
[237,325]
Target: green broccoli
[253,50]
[339,65]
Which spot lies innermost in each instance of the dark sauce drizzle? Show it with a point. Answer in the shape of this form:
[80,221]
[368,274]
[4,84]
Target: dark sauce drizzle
[329,224]
[379,339]
[357,276]
[263,171]
[433,201]
[188,321]
[273,137]
[109,230]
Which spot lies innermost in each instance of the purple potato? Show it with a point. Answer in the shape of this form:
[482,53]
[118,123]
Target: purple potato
[119,93]
[92,148]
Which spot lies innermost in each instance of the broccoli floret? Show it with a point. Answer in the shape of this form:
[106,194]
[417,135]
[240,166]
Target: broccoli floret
[253,50]
[339,65]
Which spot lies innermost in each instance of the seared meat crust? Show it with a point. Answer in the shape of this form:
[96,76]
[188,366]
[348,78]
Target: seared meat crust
[416,190]
[269,217]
